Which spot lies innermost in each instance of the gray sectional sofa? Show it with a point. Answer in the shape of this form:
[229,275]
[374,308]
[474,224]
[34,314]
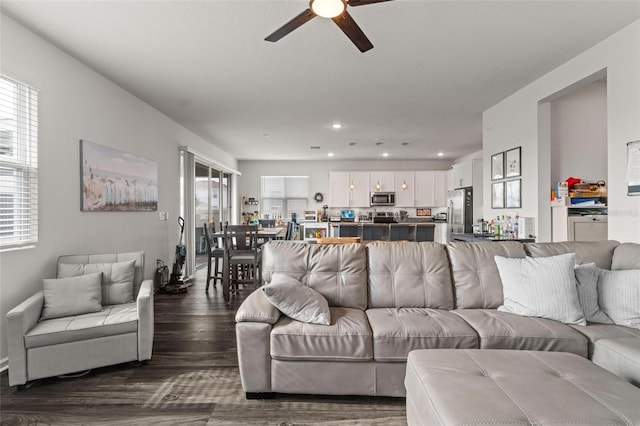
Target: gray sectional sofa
[387,299]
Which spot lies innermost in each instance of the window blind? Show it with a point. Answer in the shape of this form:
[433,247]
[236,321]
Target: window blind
[284,195]
[18,164]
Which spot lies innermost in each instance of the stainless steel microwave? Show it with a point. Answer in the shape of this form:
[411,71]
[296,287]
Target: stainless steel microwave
[383,199]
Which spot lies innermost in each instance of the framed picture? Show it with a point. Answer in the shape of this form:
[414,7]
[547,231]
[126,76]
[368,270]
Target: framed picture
[513,194]
[497,195]
[113,180]
[497,166]
[513,162]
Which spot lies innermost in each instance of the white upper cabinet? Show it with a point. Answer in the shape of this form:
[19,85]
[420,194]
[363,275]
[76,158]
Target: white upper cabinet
[440,188]
[341,196]
[384,178]
[424,188]
[339,189]
[463,174]
[405,198]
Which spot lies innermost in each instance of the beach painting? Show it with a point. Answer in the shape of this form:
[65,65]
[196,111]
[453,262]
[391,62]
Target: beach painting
[114,180]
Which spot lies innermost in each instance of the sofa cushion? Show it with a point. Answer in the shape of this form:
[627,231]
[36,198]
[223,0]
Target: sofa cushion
[542,287]
[587,285]
[296,300]
[475,275]
[620,356]
[412,275]
[626,256]
[397,331]
[503,330]
[71,296]
[112,320]
[595,332]
[337,271]
[599,252]
[619,296]
[117,278]
[348,338]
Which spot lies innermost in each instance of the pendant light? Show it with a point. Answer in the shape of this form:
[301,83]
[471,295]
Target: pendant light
[352,186]
[404,185]
[377,187]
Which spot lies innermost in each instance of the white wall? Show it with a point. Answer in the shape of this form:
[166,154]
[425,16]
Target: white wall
[579,134]
[515,122]
[77,103]
[318,172]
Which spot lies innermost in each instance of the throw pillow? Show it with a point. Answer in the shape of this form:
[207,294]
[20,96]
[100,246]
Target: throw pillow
[296,300]
[65,297]
[542,287]
[117,278]
[619,295]
[587,285]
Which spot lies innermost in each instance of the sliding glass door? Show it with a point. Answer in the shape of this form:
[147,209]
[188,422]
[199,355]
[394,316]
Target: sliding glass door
[212,204]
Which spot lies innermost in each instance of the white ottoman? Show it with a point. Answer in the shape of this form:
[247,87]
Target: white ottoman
[512,387]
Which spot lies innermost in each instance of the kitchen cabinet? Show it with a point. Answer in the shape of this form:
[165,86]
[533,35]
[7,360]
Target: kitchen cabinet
[578,224]
[430,188]
[405,198]
[341,196]
[441,233]
[587,228]
[386,180]
[440,188]
[425,188]
[463,174]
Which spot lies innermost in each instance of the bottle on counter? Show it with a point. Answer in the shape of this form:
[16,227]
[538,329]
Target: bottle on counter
[497,228]
[516,225]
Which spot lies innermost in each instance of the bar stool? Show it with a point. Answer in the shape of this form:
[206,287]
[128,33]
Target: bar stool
[399,232]
[371,232]
[241,259]
[215,252]
[425,232]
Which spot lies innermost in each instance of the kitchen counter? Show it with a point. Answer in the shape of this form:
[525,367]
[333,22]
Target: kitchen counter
[488,237]
[354,229]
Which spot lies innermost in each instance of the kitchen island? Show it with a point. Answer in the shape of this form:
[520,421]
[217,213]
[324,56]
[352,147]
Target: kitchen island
[488,237]
[369,231]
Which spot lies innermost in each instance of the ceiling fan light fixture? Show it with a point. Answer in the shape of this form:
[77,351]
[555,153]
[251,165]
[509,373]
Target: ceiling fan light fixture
[328,8]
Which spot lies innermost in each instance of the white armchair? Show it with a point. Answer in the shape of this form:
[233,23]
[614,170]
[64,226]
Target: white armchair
[117,333]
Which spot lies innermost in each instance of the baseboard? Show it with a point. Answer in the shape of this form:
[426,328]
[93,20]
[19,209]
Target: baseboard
[4,364]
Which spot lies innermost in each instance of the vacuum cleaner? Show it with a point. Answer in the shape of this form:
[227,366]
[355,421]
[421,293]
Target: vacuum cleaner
[178,283]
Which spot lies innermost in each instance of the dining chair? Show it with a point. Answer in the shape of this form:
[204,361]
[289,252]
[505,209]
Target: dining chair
[241,270]
[399,232]
[424,232]
[215,253]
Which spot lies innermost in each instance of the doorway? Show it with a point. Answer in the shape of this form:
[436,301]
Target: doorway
[212,204]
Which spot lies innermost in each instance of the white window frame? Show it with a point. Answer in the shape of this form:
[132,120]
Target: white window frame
[18,165]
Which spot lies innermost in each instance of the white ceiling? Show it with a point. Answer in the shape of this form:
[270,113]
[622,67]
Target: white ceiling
[435,67]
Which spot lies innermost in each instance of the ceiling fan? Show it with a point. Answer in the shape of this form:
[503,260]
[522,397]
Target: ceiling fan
[336,10]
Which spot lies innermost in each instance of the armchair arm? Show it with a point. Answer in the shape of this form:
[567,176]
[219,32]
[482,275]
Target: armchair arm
[145,320]
[256,308]
[20,320]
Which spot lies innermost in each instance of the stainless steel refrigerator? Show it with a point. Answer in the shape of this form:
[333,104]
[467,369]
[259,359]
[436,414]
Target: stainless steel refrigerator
[461,210]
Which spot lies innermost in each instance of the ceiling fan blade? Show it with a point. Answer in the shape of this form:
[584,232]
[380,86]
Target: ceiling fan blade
[296,22]
[364,2]
[353,31]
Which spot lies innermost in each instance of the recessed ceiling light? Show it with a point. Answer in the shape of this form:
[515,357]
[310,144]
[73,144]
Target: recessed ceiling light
[330,154]
[385,154]
[440,154]
[266,135]
[336,126]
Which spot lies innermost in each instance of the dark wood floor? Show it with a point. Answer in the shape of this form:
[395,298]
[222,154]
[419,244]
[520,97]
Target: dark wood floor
[193,378]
